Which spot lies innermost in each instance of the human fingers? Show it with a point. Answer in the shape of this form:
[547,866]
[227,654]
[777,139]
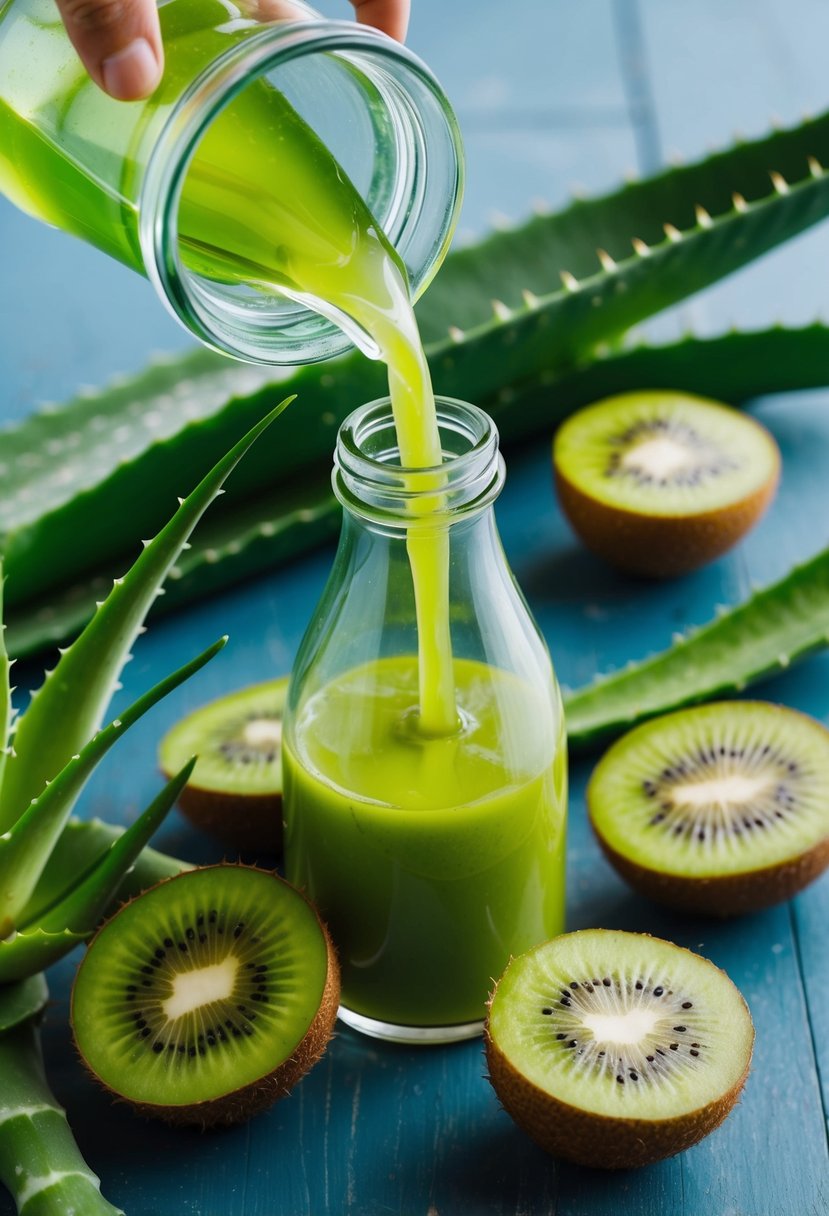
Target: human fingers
[119,42]
[390,16]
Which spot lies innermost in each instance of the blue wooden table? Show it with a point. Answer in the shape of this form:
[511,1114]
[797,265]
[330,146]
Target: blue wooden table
[552,96]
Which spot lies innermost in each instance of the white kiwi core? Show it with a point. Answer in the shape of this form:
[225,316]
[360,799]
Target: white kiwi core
[201,986]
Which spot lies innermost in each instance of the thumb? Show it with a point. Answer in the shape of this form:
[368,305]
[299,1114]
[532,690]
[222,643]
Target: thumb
[119,42]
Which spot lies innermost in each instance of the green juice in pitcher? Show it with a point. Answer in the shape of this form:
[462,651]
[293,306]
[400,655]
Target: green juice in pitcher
[425,819]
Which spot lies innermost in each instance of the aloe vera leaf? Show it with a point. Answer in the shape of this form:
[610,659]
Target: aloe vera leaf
[40,1162]
[558,331]
[117,454]
[5,686]
[21,1001]
[227,548]
[759,638]
[82,845]
[82,906]
[732,367]
[34,949]
[68,707]
[530,257]
[102,465]
[25,848]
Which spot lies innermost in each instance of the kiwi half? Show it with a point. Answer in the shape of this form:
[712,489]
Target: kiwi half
[235,792]
[206,998]
[720,809]
[658,483]
[616,1049]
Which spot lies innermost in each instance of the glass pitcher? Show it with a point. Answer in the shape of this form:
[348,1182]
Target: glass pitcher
[127,177]
[433,859]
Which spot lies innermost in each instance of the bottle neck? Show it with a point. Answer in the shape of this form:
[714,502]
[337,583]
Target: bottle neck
[375,488]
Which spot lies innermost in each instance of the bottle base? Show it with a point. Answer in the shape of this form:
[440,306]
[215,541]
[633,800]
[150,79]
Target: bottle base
[392,1032]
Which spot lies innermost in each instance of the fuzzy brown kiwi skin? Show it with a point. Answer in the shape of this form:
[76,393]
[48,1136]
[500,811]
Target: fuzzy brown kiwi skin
[660,546]
[724,895]
[242,1104]
[599,1141]
[249,823]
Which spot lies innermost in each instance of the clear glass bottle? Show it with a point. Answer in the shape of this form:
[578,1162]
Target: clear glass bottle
[433,858]
[116,173]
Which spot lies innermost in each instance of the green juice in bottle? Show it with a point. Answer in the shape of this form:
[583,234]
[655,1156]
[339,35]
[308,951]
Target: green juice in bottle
[435,859]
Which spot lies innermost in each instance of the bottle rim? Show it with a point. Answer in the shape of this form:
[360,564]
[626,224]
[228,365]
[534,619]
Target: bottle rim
[370,481]
[297,334]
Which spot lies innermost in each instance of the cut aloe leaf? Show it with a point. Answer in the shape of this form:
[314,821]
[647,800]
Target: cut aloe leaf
[757,639]
[66,711]
[509,263]
[732,367]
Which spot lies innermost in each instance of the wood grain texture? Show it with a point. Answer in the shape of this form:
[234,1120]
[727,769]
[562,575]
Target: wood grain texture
[551,93]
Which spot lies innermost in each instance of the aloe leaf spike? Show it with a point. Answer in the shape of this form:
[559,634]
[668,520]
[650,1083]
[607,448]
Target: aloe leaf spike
[26,847]
[81,908]
[68,707]
[40,1162]
[761,637]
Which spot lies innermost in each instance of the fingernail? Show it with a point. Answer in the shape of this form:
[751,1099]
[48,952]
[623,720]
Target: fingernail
[131,73]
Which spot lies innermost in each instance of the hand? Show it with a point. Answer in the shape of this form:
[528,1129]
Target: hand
[119,41]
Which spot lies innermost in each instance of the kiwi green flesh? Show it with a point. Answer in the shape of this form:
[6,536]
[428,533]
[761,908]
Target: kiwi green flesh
[723,790]
[621,1026]
[202,987]
[665,454]
[238,741]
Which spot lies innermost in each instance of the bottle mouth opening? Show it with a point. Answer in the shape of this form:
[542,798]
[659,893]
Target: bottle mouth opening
[369,479]
[382,115]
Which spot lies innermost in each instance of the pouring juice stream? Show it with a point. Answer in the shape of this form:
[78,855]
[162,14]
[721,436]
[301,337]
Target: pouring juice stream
[261,170]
